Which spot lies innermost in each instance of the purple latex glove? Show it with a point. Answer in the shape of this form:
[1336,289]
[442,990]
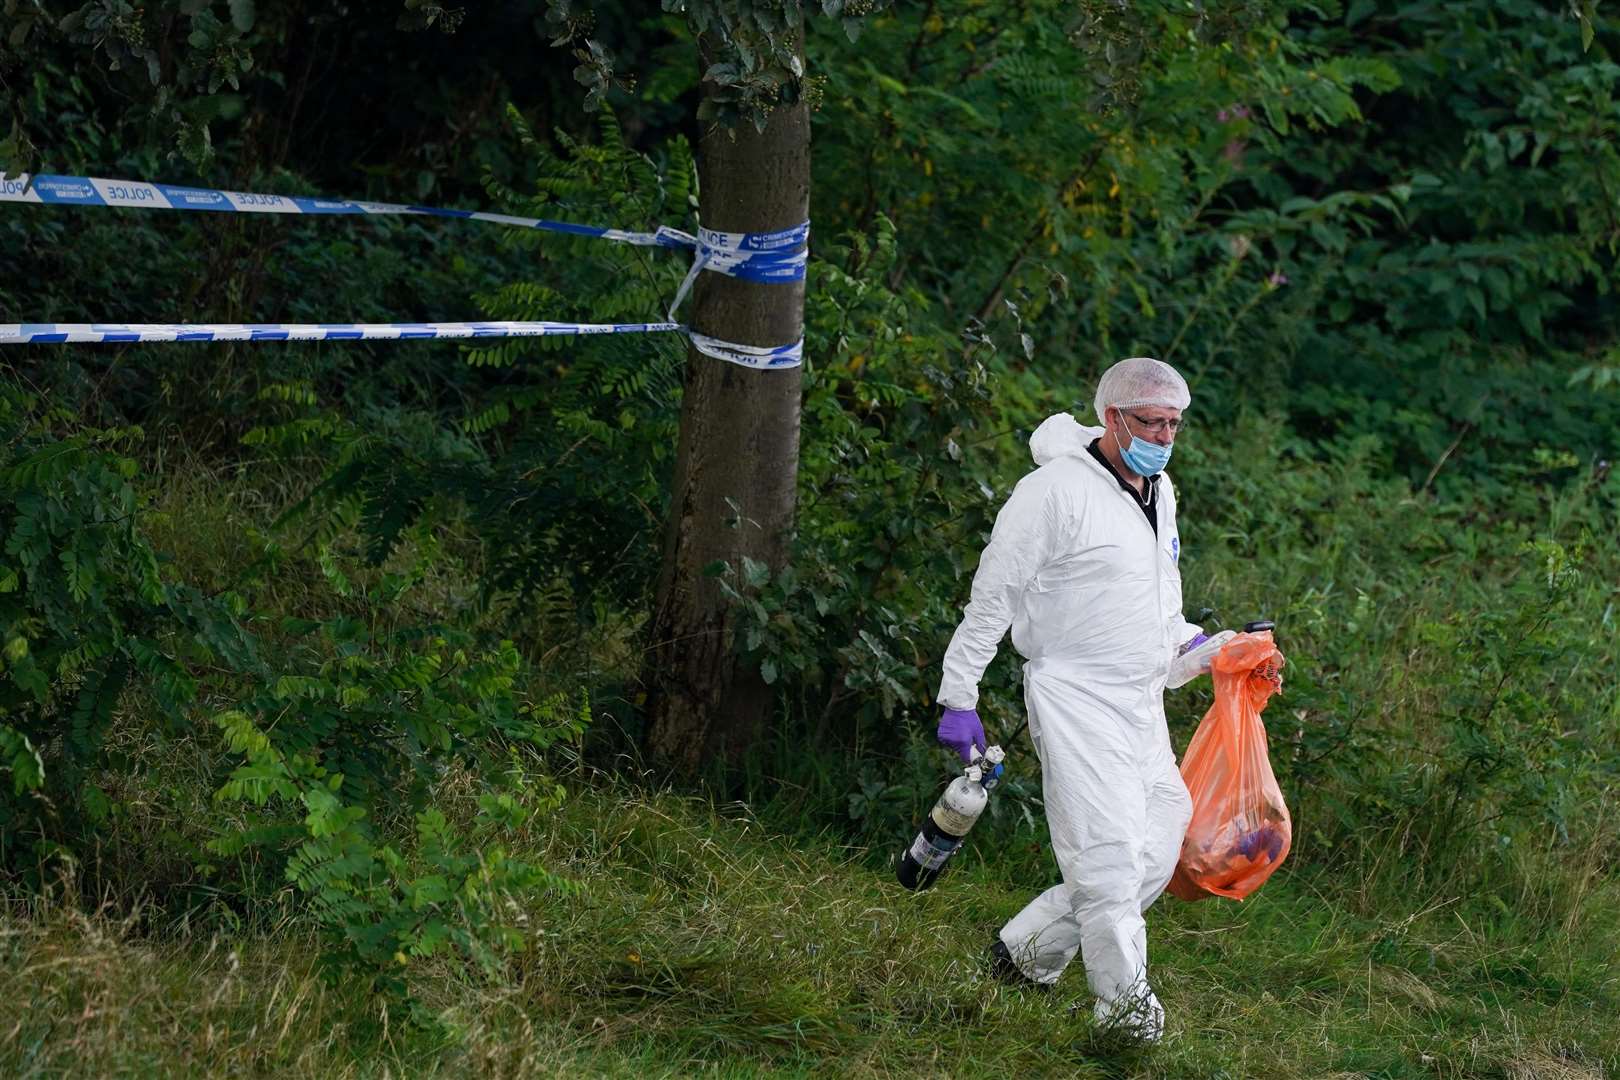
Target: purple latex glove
[960,730]
[1193,659]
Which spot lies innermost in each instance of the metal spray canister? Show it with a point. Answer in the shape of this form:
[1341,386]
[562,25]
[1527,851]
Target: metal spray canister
[949,822]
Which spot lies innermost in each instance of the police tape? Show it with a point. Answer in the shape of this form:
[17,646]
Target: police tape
[779,256]
[751,356]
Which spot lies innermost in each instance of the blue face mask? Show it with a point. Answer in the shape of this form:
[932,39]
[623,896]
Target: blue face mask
[1142,457]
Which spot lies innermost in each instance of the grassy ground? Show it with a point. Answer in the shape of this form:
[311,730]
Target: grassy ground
[704,946]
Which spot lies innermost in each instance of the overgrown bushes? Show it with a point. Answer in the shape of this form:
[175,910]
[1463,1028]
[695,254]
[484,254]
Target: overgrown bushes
[375,763]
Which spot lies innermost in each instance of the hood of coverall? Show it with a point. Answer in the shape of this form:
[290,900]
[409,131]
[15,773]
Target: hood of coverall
[1061,436]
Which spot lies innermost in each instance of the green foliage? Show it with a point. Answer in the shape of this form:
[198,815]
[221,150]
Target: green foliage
[1494,269]
[358,733]
[183,65]
[752,52]
[377,724]
[84,611]
[422,15]
[557,450]
[366,736]
[176,57]
[1524,733]
[1518,733]
[1289,205]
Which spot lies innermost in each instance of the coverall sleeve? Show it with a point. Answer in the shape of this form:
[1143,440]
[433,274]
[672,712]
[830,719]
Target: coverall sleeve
[1181,631]
[1020,543]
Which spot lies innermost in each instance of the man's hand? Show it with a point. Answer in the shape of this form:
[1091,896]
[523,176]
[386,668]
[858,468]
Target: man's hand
[1195,658]
[960,730]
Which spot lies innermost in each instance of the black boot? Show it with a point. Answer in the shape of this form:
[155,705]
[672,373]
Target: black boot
[1004,969]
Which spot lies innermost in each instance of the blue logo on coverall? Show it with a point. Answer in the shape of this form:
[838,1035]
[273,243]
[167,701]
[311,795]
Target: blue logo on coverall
[1175,550]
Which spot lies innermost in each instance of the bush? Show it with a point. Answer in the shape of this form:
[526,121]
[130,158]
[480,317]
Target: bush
[379,762]
[85,613]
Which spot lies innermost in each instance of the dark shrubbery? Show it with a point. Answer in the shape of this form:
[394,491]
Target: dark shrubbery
[347,736]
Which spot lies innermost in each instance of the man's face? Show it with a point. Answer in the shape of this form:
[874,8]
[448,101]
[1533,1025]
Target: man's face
[1155,423]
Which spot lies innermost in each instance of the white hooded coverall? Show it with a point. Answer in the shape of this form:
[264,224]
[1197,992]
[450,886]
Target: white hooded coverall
[1094,602]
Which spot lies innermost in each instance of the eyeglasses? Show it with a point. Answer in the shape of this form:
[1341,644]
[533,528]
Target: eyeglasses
[1155,427]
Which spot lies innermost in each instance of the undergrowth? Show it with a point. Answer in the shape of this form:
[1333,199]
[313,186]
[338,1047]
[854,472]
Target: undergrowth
[702,944]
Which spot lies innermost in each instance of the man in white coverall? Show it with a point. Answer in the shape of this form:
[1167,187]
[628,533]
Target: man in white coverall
[1082,565]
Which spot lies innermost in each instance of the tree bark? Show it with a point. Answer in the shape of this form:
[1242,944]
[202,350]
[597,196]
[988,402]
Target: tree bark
[736,462]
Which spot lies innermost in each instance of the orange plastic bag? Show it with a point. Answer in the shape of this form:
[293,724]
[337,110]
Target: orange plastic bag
[1240,830]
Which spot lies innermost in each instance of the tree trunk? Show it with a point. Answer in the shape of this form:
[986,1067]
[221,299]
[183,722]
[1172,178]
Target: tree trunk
[736,463]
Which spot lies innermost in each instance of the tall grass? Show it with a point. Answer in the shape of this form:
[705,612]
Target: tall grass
[705,945]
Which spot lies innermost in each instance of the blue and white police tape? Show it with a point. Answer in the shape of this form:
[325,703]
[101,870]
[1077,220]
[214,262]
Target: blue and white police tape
[768,257]
[779,256]
[752,356]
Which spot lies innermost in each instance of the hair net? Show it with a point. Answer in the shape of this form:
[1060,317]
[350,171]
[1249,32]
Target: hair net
[1139,381]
